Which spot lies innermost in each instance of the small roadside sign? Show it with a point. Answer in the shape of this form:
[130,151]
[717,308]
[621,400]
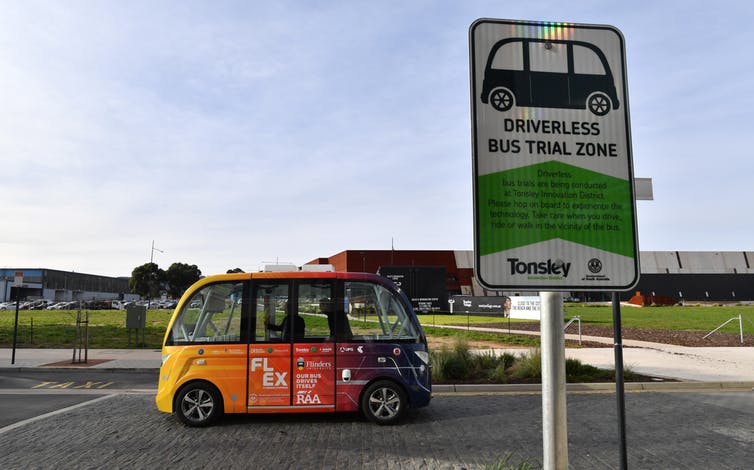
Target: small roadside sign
[554,205]
[18,279]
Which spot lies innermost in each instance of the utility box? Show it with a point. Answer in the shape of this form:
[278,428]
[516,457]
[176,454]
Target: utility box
[136,317]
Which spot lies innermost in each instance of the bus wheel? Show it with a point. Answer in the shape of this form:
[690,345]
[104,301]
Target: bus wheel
[501,99]
[383,402]
[198,404]
[599,104]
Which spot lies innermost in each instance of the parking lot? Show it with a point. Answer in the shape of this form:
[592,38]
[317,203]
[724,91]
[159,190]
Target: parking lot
[665,430]
[46,304]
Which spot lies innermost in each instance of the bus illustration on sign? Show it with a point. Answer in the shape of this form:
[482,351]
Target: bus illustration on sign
[548,73]
[293,342]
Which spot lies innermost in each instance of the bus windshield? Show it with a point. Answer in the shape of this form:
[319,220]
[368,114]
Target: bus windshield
[376,313]
[212,315]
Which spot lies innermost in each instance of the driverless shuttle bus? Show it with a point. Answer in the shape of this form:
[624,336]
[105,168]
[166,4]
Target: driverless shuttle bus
[288,342]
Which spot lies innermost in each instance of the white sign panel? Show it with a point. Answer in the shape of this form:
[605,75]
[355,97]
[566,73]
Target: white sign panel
[525,308]
[553,177]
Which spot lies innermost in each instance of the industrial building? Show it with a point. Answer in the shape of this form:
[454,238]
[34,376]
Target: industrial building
[671,275]
[54,285]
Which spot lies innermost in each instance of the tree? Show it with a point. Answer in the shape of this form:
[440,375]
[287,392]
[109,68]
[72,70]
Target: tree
[234,270]
[180,276]
[146,280]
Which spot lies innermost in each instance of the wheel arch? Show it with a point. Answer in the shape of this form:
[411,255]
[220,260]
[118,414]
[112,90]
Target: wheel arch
[386,378]
[384,402]
[196,381]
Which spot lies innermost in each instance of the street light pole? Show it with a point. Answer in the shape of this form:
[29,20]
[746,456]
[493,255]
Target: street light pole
[151,255]
[151,260]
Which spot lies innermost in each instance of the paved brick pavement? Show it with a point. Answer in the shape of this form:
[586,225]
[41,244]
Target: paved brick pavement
[665,430]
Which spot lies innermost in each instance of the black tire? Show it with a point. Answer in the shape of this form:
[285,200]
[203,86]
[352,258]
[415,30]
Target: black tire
[599,104]
[384,402]
[198,404]
[501,99]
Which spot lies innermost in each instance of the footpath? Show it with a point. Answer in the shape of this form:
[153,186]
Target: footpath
[656,359]
[717,367]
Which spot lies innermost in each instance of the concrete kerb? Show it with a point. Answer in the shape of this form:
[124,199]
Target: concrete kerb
[602,387]
[140,359]
[98,359]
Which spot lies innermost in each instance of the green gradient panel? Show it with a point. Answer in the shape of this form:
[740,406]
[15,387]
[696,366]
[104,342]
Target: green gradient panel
[553,200]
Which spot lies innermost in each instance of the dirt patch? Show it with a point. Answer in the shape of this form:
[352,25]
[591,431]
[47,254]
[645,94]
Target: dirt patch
[88,363]
[677,337]
[439,342]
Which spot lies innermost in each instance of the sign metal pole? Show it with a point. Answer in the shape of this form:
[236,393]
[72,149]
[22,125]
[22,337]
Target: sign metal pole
[15,331]
[619,388]
[18,283]
[554,416]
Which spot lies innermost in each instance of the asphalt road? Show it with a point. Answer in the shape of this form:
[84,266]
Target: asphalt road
[78,379]
[120,429]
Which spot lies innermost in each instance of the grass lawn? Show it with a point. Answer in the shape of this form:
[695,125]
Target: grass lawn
[667,318]
[57,328]
[656,318]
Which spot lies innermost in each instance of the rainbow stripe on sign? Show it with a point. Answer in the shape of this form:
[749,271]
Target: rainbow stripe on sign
[545,30]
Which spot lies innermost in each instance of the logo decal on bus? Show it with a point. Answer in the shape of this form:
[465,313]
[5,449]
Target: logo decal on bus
[270,378]
[307,398]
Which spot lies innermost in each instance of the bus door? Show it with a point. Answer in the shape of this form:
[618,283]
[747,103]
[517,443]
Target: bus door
[292,356]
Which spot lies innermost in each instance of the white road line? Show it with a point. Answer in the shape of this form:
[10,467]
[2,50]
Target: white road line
[78,391]
[13,426]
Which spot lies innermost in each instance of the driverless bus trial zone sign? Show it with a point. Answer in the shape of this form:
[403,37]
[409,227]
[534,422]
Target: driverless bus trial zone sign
[553,178]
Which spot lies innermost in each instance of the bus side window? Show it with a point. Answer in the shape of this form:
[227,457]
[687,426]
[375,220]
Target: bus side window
[315,307]
[337,320]
[271,308]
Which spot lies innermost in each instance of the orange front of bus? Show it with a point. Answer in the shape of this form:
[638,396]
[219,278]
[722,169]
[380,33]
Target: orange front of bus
[205,352]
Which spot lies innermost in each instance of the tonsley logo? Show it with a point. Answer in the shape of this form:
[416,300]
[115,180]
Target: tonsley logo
[543,268]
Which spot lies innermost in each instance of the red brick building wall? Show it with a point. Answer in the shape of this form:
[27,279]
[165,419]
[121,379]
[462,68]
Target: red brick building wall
[370,261]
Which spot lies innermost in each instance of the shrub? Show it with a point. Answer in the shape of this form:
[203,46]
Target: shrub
[438,358]
[504,464]
[508,360]
[529,366]
[462,350]
[499,374]
[578,372]
[459,364]
[454,368]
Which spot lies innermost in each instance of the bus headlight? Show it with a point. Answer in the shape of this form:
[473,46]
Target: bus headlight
[423,355]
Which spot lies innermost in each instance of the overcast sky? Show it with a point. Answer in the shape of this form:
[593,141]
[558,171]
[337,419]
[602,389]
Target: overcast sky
[234,133]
